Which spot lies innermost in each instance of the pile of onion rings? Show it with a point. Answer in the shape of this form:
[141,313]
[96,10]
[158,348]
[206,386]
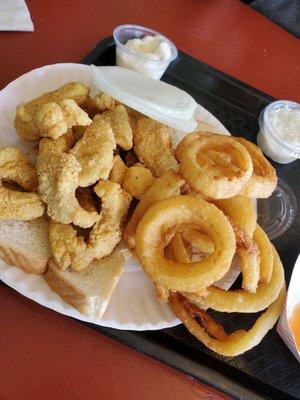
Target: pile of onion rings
[189,225]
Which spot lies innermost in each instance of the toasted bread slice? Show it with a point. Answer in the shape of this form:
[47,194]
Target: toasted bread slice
[90,289]
[25,244]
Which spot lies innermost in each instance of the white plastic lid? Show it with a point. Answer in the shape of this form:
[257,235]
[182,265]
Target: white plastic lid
[155,99]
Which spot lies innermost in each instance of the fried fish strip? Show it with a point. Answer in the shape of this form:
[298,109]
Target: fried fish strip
[24,121]
[103,101]
[118,170]
[15,167]
[106,232]
[137,180]
[153,146]
[70,250]
[95,152]
[20,205]
[119,121]
[66,246]
[54,119]
[58,179]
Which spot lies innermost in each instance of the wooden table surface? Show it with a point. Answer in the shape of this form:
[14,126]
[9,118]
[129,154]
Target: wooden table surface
[48,356]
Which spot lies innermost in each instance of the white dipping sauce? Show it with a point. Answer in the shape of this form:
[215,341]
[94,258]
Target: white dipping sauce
[279,135]
[150,55]
[153,47]
[286,123]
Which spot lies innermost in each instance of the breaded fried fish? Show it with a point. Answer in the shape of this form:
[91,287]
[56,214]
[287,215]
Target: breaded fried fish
[95,152]
[24,120]
[153,146]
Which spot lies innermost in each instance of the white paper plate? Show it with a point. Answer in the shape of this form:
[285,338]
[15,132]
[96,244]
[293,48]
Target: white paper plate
[133,305]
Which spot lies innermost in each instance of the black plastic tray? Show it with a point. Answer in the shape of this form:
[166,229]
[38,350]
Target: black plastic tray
[269,370]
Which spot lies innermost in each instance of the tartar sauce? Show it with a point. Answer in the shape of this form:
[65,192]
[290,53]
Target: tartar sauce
[286,123]
[279,135]
[150,55]
[152,47]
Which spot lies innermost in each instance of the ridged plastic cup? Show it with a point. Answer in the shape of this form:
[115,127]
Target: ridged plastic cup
[140,63]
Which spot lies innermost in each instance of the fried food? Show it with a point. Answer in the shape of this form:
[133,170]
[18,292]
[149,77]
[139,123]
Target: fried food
[131,158]
[118,170]
[168,185]
[107,232]
[54,119]
[86,199]
[241,212]
[103,101]
[67,248]
[20,205]
[16,173]
[14,167]
[214,337]
[58,174]
[95,152]
[163,220]
[240,300]
[119,121]
[153,146]
[162,293]
[178,249]
[266,254]
[137,180]
[198,241]
[263,180]
[216,165]
[24,120]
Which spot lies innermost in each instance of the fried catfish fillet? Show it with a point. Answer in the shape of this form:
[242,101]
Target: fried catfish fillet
[106,232]
[18,205]
[119,120]
[137,180]
[54,119]
[67,247]
[70,250]
[95,152]
[103,101]
[153,146]
[118,170]
[58,174]
[24,120]
[15,167]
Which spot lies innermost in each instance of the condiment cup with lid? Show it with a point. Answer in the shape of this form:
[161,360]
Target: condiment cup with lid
[147,51]
[279,134]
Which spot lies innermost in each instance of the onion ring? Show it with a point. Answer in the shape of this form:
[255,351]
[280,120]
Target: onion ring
[266,254]
[216,339]
[167,185]
[178,249]
[240,211]
[166,218]
[263,180]
[198,241]
[242,301]
[216,165]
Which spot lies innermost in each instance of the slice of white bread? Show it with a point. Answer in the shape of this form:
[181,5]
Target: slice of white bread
[90,289]
[25,244]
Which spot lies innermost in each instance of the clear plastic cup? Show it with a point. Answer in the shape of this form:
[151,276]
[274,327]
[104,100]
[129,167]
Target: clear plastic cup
[268,139]
[140,63]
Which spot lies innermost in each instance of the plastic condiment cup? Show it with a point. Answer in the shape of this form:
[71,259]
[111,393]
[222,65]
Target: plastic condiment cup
[137,62]
[274,146]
